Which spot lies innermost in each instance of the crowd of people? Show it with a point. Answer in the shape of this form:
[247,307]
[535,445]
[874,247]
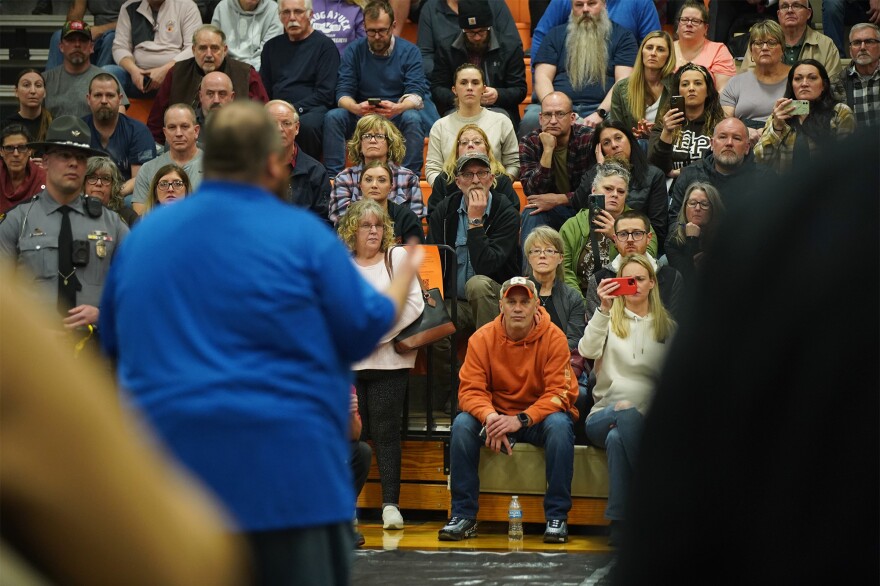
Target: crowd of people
[629,153]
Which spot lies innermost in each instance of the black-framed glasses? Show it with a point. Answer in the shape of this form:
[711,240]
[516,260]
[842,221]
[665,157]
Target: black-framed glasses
[791,7]
[369,137]
[176,184]
[552,115]
[469,175]
[703,205]
[378,32]
[98,179]
[476,32]
[693,21]
[12,148]
[770,43]
[866,42]
[636,235]
[543,251]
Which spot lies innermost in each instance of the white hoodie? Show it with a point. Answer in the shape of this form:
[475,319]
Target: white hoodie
[247,32]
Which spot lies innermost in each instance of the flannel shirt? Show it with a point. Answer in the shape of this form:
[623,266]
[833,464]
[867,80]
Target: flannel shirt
[865,102]
[405,190]
[536,179]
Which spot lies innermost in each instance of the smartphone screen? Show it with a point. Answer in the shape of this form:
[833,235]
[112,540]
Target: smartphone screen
[627,286]
[676,102]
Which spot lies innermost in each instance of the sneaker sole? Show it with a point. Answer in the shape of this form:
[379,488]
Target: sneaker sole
[393,526]
[445,536]
[554,539]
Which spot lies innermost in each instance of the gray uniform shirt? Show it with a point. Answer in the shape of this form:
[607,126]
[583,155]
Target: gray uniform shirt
[145,176]
[29,235]
[66,93]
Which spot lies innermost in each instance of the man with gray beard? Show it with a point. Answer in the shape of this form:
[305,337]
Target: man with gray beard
[126,140]
[582,59]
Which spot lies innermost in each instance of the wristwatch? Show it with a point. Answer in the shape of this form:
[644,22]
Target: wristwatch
[524,419]
[602,112]
[475,221]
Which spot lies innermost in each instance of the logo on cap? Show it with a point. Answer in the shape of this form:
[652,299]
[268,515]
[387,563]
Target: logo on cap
[472,21]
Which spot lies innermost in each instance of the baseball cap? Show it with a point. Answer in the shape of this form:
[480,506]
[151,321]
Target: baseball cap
[76,27]
[468,157]
[515,282]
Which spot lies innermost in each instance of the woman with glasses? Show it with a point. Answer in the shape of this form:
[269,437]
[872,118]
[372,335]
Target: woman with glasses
[170,184]
[468,88]
[375,138]
[750,95]
[682,136]
[104,181]
[796,134]
[30,91]
[647,185]
[692,46]
[636,99]
[381,378]
[698,222]
[470,138]
[20,177]
[627,336]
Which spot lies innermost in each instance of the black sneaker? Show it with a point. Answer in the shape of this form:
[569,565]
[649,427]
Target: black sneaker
[458,528]
[556,532]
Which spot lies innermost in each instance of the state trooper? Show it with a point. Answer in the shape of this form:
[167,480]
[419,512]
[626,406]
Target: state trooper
[63,238]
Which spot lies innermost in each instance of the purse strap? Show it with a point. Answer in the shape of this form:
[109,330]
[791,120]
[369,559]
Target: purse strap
[390,268]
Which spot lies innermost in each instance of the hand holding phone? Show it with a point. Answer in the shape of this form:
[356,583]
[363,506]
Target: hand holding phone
[510,439]
[374,102]
[677,102]
[146,82]
[626,286]
[799,108]
[596,201]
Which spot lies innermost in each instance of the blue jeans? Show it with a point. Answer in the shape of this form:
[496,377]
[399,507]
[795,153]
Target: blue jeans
[339,126]
[101,55]
[127,85]
[619,432]
[555,434]
[836,14]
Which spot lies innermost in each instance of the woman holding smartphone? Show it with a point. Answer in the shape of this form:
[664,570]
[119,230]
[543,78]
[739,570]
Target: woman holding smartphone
[628,337]
[804,122]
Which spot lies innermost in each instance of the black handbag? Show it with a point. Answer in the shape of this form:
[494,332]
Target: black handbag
[434,324]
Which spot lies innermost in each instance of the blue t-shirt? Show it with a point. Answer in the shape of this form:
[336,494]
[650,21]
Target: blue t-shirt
[622,50]
[130,144]
[234,319]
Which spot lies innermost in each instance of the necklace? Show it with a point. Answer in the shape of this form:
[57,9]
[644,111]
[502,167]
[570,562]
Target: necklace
[66,277]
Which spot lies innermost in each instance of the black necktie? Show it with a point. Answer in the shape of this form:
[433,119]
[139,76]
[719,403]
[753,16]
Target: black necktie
[68,284]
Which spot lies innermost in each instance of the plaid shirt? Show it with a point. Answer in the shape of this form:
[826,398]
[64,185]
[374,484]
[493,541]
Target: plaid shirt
[776,150]
[405,190]
[861,94]
[536,179]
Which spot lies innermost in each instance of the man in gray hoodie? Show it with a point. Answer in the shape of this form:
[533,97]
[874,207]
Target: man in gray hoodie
[248,24]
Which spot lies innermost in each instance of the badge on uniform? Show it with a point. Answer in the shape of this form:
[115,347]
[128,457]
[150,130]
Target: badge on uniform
[101,239]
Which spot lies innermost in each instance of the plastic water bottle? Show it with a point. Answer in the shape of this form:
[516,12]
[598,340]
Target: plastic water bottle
[514,516]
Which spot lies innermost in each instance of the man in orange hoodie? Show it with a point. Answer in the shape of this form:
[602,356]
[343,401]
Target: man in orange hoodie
[516,383]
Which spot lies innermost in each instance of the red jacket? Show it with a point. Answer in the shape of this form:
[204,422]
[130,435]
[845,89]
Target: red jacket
[532,375]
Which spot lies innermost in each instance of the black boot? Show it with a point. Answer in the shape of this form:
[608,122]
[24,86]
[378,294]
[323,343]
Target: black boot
[43,7]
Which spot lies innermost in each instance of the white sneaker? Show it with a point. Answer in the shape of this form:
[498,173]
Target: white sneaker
[391,518]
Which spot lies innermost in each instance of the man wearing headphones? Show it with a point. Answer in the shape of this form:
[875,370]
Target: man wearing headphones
[64,239]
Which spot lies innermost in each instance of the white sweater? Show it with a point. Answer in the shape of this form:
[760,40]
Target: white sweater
[385,357]
[627,369]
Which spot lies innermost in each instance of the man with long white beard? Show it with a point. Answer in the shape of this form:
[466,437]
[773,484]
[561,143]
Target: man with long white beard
[582,59]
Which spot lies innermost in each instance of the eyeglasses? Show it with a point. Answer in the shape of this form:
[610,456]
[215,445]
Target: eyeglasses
[368,227]
[770,44]
[98,179]
[373,137]
[854,44]
[378,32]
[703,205]
[552,115]
[473,141]
[176,184]
[543,251]
[693,21]
[636,235]
[12,148]
[469,176]
[476,32]
[792,7]
[297,12]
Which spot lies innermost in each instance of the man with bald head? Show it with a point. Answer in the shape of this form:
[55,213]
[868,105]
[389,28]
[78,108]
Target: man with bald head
[215,91]
[309,183]
[183,81]
[729,167]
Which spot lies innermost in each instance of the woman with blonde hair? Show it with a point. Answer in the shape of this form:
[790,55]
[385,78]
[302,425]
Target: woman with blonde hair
[635,100]
[628,337]
[375,138]
[381,378]
[470,138]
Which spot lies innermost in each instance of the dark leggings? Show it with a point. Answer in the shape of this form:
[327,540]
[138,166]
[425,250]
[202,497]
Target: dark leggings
[380,396]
